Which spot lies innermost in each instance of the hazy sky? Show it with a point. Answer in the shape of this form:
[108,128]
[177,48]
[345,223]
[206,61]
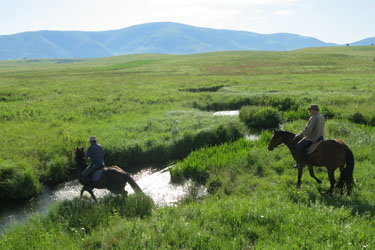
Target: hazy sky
[338,21]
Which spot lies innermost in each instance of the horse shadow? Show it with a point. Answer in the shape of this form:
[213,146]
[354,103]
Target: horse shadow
[353,202]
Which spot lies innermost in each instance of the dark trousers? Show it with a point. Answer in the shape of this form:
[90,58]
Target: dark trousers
[301,148]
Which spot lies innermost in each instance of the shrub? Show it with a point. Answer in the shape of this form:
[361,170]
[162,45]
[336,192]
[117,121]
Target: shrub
[372,121]
[358,118]
[328,114]
[159,153]
[299,114]
[281,104]
[56,171]
[17,183]
[260,117]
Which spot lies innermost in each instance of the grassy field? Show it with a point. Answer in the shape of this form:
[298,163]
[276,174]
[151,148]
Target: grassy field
[155,109]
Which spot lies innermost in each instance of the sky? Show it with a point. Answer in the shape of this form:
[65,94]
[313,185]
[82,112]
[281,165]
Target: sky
[336,21]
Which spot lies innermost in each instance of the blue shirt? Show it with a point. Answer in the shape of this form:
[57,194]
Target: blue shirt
[96,153]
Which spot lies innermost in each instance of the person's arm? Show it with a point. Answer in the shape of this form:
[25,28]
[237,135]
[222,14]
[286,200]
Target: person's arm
[310,126]
[88,154]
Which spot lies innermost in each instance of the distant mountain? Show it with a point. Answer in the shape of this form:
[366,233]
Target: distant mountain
[164,38]
[365,42]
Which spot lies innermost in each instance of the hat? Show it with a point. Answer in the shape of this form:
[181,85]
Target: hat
[92,138]
[314,107]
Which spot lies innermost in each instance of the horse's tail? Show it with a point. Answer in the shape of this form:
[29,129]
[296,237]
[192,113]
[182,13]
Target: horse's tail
[346,176]
[133,184]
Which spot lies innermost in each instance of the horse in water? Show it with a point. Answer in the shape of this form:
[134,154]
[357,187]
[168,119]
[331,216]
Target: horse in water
[332,154]
[112,178]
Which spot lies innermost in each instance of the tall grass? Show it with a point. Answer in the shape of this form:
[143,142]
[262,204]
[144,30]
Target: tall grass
[253,204]
[69,222]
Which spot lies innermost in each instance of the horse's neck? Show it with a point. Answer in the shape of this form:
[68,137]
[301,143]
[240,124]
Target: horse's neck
[290,142]
[81,165]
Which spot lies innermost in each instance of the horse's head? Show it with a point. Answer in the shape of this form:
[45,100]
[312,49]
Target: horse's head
[276,140]
[80,158]
[281,136]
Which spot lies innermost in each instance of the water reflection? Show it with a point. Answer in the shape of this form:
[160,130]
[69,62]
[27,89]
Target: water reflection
[158,186]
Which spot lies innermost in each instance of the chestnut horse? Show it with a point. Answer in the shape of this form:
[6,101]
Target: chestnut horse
[113,178]
[332,154]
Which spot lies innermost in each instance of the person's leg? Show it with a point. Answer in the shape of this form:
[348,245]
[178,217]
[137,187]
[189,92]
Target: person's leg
[301,148]
[87,172]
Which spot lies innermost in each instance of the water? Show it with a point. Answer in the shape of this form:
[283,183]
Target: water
[252,137]
[156,184]
[227,113]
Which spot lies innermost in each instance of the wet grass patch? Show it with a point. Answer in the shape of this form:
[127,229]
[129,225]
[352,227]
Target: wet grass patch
[235,103]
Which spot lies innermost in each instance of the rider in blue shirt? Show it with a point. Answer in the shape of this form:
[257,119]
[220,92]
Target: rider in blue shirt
[95,154]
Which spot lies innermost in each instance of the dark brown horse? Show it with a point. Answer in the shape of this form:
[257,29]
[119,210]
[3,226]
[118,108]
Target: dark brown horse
[332,154]
[113,178]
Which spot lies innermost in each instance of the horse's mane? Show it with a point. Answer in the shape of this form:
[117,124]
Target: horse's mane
[284,132]
[287,134]
[80,157]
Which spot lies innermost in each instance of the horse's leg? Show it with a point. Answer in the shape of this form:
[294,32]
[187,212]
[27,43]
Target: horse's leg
[341,173]
[124,193]
[82,190]
[299,177]
[311,170]
[331,175]
[92,195]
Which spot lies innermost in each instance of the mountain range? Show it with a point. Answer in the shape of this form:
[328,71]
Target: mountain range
[161,37]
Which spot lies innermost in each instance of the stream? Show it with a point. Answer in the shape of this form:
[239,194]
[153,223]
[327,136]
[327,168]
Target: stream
[155,184]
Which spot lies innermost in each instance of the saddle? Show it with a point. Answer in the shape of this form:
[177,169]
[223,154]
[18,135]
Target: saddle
[313,147]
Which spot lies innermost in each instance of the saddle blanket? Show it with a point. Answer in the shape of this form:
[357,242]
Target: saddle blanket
[313,146]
